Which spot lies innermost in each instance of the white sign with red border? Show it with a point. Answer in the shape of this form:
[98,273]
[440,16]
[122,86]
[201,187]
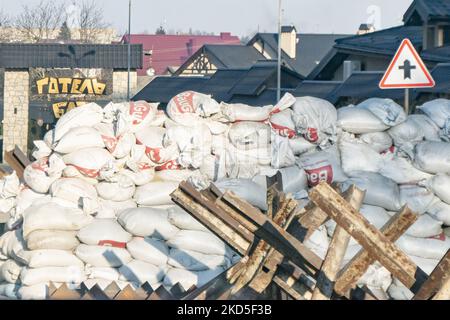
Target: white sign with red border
[407,70]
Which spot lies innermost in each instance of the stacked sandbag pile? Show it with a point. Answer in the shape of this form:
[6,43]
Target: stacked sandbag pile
[95,206]
[104,176]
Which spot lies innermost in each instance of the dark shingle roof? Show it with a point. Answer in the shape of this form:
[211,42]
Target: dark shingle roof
[441,75]
[365,85]
[162,89]
[311,48]
[384,42]
[114,56]
[233,56]
[318,89]
[428,9]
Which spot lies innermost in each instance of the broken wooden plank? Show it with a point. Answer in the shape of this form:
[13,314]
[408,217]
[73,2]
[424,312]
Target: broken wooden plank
[336,252]
[262,248]
[288,289]
[370,238]
[112,290]
[217,226]
[444,292]
[128,293]
[161,294]
[278,238]
[360,263]
[436,280]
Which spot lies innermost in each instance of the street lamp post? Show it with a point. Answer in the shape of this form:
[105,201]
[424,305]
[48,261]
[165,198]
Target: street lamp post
[129,51]
[279,52]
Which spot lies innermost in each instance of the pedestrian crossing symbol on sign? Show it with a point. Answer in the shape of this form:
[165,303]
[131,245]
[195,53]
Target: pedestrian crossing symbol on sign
[407,70]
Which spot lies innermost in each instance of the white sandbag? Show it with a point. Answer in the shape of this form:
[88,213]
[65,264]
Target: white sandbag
[25,199]
[359,120]
[376,276]
[318,242]
[124,144]
[418,199]
[48,258]
[427,265]
[440,186]
[140,114]
[314,118]
[79,138]
[242,112]
[147,222]
[380,191]
[105,273]
[198,241]
[104,232]
[72,274]
[389,112]
[195,261]
[119,188]
[11,242]
[7,204]
[42,173]
[433,157]
[440,211]
[175,175]
[398,291]
[437,110]
[425,227]
[283,125]
[294,179]
[250,135]
[149,250]
[72,172]
[102,256]
[183,220]
[357,156]
[143,175]
[187,279]
[401,170]
[406,135]
[244,163]
[378,141]
[152,138]
[111,209]
[52,239]
[141,272]
[188,108]
[323,166]
[87,115]
[155,193]
[9,186]
[214,167]
[282,154]
[51,216]
[245,189]
[10,271]
[37,292]
[77,191]
[9,290]
[428,248]
[89,161]
[427,126]
[300,145]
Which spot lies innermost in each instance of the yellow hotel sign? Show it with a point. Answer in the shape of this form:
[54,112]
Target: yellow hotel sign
[50,85]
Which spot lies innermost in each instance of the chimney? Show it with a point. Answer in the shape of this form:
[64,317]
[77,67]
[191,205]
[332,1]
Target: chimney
[289,41]
[225,35]
[190,47]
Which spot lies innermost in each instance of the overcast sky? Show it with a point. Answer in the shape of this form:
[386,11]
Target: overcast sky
[242,17]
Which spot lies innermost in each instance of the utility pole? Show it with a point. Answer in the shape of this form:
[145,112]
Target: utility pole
[280,13]
[129,52]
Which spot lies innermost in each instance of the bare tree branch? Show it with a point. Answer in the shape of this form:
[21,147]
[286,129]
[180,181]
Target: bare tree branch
[40,22]
[91,22]
[5,25]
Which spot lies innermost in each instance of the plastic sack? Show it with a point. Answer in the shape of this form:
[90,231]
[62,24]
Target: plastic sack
[155,193]
[104,232]
[42,173]
[198,241]
[427,126]
[72,274]
[52,240]
[195,261]
[79,138]
[437,110]
[359,120]
[378,141]
[440,186]
[89,161]
[245,189]
[418,199]
[147,222]
[149,250]
[188,108]
[183,220]
[101,256]
[433,157]
[389,112]
[357,156]
[141,272]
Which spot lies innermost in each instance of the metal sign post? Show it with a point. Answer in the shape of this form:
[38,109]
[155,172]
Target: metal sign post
[407,101]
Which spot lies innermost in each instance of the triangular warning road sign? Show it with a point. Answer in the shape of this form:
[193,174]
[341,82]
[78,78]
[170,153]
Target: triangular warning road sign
[407,70]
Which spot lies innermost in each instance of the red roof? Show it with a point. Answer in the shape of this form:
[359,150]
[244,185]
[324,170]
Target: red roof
[173,50]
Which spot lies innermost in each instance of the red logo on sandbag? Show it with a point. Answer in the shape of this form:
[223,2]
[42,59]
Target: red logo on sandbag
[185,102]
[154,154]
[139,111]
[110,143]
[41,164]
[170,165]
[312,135]
[91,173]
[440,237]
[318,175]
[112,243]
[144,166]
[283,131]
